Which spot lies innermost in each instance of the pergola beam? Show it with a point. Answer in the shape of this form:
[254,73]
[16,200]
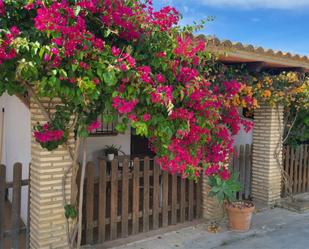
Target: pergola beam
[255,67]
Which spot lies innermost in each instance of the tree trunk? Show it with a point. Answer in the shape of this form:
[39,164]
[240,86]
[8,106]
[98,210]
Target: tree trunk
[81,194]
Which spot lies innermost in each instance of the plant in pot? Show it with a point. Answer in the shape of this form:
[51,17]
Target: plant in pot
[224,187]
[110,151]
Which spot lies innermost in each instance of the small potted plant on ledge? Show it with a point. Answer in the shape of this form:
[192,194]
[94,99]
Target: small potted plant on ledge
[239,212]
[110,151]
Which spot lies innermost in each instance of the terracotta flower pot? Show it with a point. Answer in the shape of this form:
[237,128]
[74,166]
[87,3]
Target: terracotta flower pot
[239,215]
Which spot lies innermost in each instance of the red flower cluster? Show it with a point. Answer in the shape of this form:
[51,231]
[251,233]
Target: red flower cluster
[93,126]
[124,106]
[162,95]
[60,18]
[46,135]
[188,48]
[2,8]
[6,51]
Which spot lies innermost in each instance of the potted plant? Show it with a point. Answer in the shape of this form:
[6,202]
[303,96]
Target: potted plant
[111,151]
[239,212]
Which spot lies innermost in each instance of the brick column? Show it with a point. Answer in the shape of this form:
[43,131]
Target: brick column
[266,174]
[47,220]
[212,210]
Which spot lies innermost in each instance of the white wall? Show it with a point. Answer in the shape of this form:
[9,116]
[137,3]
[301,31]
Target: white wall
[243,137]
[17,141]
[95,145]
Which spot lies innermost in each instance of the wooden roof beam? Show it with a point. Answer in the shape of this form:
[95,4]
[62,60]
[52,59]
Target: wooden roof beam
[255,67]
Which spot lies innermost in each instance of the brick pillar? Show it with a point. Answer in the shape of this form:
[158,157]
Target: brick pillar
[266,174]
[47,220]
[212,210]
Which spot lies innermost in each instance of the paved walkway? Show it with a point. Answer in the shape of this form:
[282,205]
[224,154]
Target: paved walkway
[271,229]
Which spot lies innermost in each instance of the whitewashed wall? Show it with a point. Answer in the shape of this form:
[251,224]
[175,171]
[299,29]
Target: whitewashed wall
[17,141]
[95,145]
[243,137]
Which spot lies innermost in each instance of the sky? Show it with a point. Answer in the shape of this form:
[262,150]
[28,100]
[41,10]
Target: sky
[276,24]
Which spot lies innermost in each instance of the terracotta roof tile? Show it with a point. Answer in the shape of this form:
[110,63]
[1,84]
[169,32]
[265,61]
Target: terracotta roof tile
[237,47]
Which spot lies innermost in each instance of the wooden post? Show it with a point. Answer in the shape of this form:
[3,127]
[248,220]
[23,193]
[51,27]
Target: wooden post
[2,203]
[135,215]
[146,196]
[156,192]
[114,199]
[16,201]
[89,202]
[125,199]
[102,200]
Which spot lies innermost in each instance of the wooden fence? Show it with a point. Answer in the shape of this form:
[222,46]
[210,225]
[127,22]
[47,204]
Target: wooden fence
[296,166]
[131,197]
[242,163]
[13,232]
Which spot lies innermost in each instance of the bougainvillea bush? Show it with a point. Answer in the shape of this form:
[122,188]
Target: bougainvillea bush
[131,61]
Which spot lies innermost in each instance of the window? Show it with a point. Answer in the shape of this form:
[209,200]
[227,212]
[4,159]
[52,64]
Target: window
[106,129]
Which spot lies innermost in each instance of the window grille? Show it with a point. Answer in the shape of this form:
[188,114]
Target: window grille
[106,129]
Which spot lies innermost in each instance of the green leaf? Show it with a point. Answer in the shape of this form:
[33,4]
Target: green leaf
[77,10]
[41,53]
[110,78]
[141,128]
[215,189]
[121,127]
[74,67]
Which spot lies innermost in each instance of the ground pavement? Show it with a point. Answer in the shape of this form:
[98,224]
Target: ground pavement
[271,229]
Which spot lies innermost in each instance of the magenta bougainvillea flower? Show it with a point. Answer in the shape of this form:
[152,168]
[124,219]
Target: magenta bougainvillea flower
[134,62]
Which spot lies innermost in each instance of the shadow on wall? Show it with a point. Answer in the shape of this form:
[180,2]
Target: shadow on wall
[16,145]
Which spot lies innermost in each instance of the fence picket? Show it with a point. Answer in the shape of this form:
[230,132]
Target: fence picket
[102,200]
[2,203]
[125,199]
[287,167]
[247,170]
[302,170]
[235,159]
[16,201]
[242,170]
[307,166]
[198,199]
[156,193]
[174,199]
[191,201]
[146,196]
[89,202]
[165,199]
[114,200]
[296,165]
[182,200]
[292,169]
[135,215]
[28,211]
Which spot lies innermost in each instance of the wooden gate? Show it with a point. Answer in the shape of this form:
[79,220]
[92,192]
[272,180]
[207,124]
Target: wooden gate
[130,197]
[13,232]
[242,163]
[296,166]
